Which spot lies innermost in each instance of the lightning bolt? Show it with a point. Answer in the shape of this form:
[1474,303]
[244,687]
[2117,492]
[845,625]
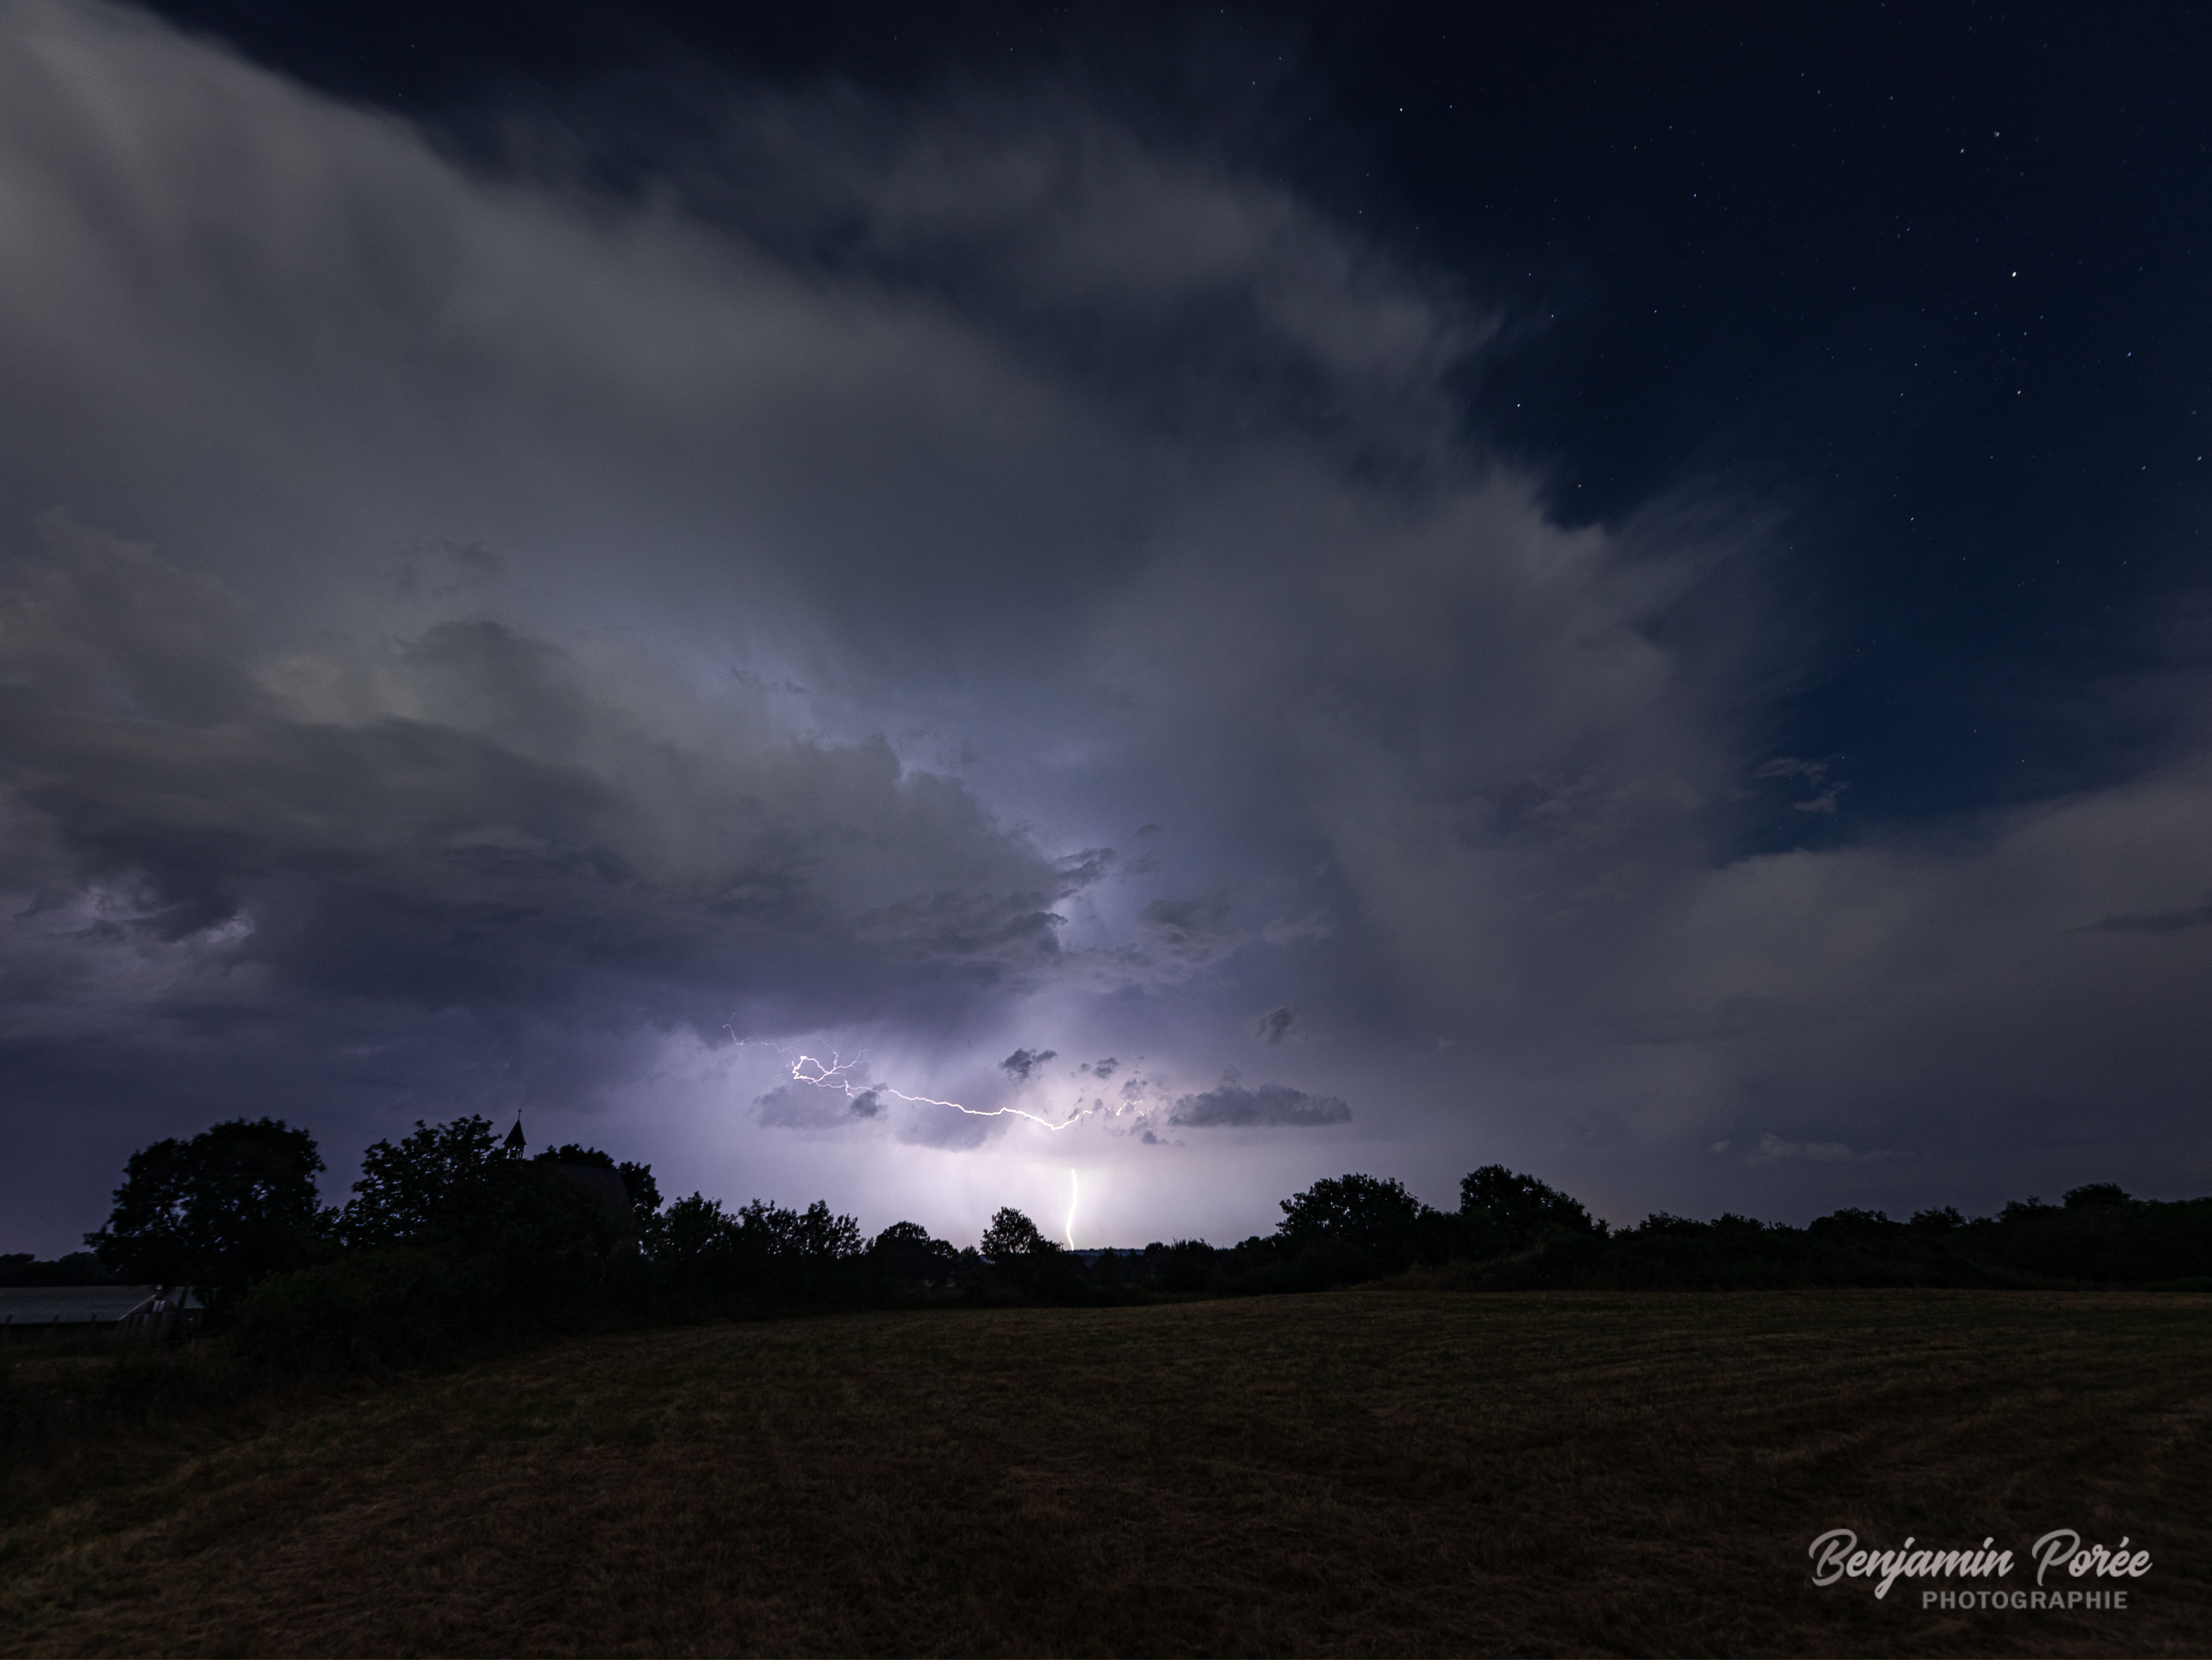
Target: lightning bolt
[1072,1192]
[833,1074]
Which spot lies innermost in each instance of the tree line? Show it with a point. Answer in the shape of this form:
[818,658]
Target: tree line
[453,1242]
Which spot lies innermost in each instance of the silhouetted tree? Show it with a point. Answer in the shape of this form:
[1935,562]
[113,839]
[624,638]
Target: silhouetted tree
[784,1236]
[2097,1194]
[1013,1235]
[906,1251]
[694,1240]
[427,1182]
[1501,1210]
[1023,1259]
[450,1189]
[1368,1217]
[232,1204]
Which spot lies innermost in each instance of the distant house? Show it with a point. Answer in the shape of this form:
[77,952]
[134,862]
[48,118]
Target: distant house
[614,1193]
[164,1317]
[57,1310]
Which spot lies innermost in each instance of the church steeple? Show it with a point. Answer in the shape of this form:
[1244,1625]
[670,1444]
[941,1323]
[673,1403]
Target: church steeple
[514,1143]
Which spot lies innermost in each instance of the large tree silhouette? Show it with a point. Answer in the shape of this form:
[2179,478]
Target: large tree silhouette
[232,1204]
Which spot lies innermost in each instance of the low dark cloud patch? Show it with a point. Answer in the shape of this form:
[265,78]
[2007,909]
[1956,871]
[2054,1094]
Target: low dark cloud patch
[1023,1064]
[1773,1149]
[1273,1104]
[1190,933]
[1274,1026]
[801,1107]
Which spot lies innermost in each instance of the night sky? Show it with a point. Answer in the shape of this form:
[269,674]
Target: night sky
[1190,599]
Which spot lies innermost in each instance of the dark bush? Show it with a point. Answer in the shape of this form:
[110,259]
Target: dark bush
[1260,1267]
[1186,1266]
[394,1307]
[2101,1242]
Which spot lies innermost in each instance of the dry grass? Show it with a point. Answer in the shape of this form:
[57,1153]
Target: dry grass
[1376,1471]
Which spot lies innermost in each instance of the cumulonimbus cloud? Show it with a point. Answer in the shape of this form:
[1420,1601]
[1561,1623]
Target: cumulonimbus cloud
[766,600]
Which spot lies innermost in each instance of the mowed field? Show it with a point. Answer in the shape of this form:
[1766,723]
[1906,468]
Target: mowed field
[1376,1471]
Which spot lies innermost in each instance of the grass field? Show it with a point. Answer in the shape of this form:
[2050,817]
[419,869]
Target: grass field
[1375,1471]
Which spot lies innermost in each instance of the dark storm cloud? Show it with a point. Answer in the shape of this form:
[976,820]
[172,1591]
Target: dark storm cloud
[758,605]
[806,1107]
[509,840]
[407,720]
[1022,1063]
[1273,1027]
[1232,1104]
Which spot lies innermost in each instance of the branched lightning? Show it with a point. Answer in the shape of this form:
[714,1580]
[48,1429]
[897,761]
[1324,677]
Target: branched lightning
[835,1074]
[838,1073]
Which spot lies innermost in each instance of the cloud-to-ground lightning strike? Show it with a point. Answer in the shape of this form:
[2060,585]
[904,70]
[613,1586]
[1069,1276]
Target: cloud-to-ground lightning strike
[1075,1191]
